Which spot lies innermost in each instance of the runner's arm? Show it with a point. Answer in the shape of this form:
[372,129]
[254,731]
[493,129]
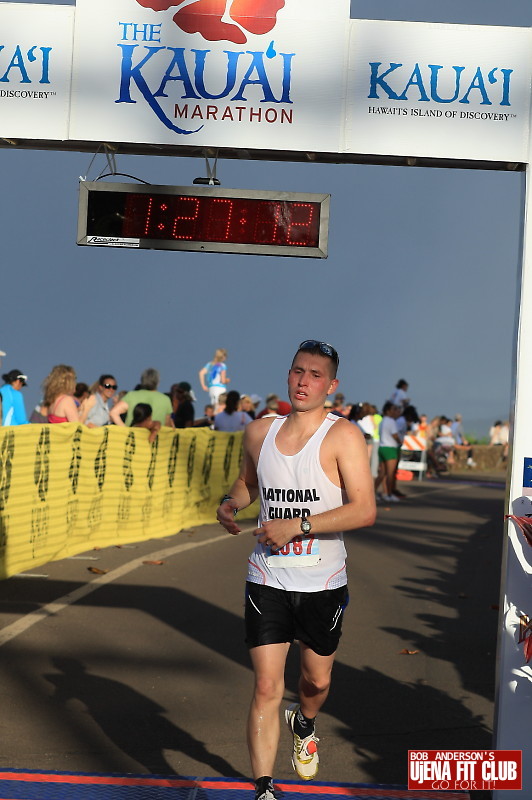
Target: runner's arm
[244,490]
[351,454]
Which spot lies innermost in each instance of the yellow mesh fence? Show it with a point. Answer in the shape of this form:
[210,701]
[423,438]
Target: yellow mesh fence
[66,488]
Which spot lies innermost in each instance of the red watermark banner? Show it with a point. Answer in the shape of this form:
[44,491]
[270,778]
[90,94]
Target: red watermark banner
[464,770]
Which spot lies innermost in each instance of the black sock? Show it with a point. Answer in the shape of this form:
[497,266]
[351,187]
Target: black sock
[262,784]
[303,726]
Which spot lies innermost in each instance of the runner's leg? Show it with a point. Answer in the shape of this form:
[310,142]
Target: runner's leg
[315,680]
[263,723]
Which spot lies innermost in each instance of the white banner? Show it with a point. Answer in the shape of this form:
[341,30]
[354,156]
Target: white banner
[439,91]
[261,74]
[290,75]
[35,70]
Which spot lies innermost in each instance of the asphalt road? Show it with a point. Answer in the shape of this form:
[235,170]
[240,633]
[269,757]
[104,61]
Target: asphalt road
[143,669]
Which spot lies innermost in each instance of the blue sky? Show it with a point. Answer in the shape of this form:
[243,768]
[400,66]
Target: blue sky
[420,282]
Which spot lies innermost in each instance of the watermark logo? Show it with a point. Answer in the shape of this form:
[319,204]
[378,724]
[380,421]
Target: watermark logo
[464,770]
[221,20]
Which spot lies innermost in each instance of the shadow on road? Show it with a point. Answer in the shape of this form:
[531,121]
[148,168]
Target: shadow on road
[381,716]
[465,633]
[133,722]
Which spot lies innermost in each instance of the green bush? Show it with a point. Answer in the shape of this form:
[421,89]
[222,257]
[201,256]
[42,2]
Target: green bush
[472,438]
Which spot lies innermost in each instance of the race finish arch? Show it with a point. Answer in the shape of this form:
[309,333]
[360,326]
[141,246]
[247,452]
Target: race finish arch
[297,80]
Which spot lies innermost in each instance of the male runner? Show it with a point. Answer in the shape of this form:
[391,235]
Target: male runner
[311,471]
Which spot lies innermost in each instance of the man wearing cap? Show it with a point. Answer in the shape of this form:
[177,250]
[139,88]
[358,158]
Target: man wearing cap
[13,411]
[256,400]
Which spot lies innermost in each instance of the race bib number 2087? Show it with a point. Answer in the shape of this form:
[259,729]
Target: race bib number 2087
[302,551]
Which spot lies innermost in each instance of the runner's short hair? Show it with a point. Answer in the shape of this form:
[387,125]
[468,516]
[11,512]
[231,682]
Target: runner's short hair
[317,348]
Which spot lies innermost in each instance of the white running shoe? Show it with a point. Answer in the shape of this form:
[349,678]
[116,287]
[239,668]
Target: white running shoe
[305,759]
[266,795]
[390,498]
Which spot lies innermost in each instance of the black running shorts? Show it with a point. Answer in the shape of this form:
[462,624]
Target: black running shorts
[314,618]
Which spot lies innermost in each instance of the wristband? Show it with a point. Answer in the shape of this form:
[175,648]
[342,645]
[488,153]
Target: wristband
[227,497]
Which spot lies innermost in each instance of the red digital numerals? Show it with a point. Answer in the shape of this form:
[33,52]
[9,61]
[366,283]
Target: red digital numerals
[218,219]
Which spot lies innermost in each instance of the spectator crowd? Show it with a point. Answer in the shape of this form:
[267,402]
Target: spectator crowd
[65,399]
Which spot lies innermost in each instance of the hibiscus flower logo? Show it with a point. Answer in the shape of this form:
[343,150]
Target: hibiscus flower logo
[221,20]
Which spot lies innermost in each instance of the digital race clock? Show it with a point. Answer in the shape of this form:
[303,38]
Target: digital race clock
[205,219]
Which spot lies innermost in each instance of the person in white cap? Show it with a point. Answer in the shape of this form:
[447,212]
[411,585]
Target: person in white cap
[13,411]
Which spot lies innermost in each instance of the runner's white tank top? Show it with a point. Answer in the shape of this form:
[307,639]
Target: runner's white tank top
[293,486]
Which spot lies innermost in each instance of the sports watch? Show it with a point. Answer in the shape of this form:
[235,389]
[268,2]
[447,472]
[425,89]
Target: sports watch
[305,526]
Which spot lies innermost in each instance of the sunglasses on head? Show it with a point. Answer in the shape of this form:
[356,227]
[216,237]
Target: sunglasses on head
[110,386]
[324,348]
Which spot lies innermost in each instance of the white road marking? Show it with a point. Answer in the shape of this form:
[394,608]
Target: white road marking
[22,625]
